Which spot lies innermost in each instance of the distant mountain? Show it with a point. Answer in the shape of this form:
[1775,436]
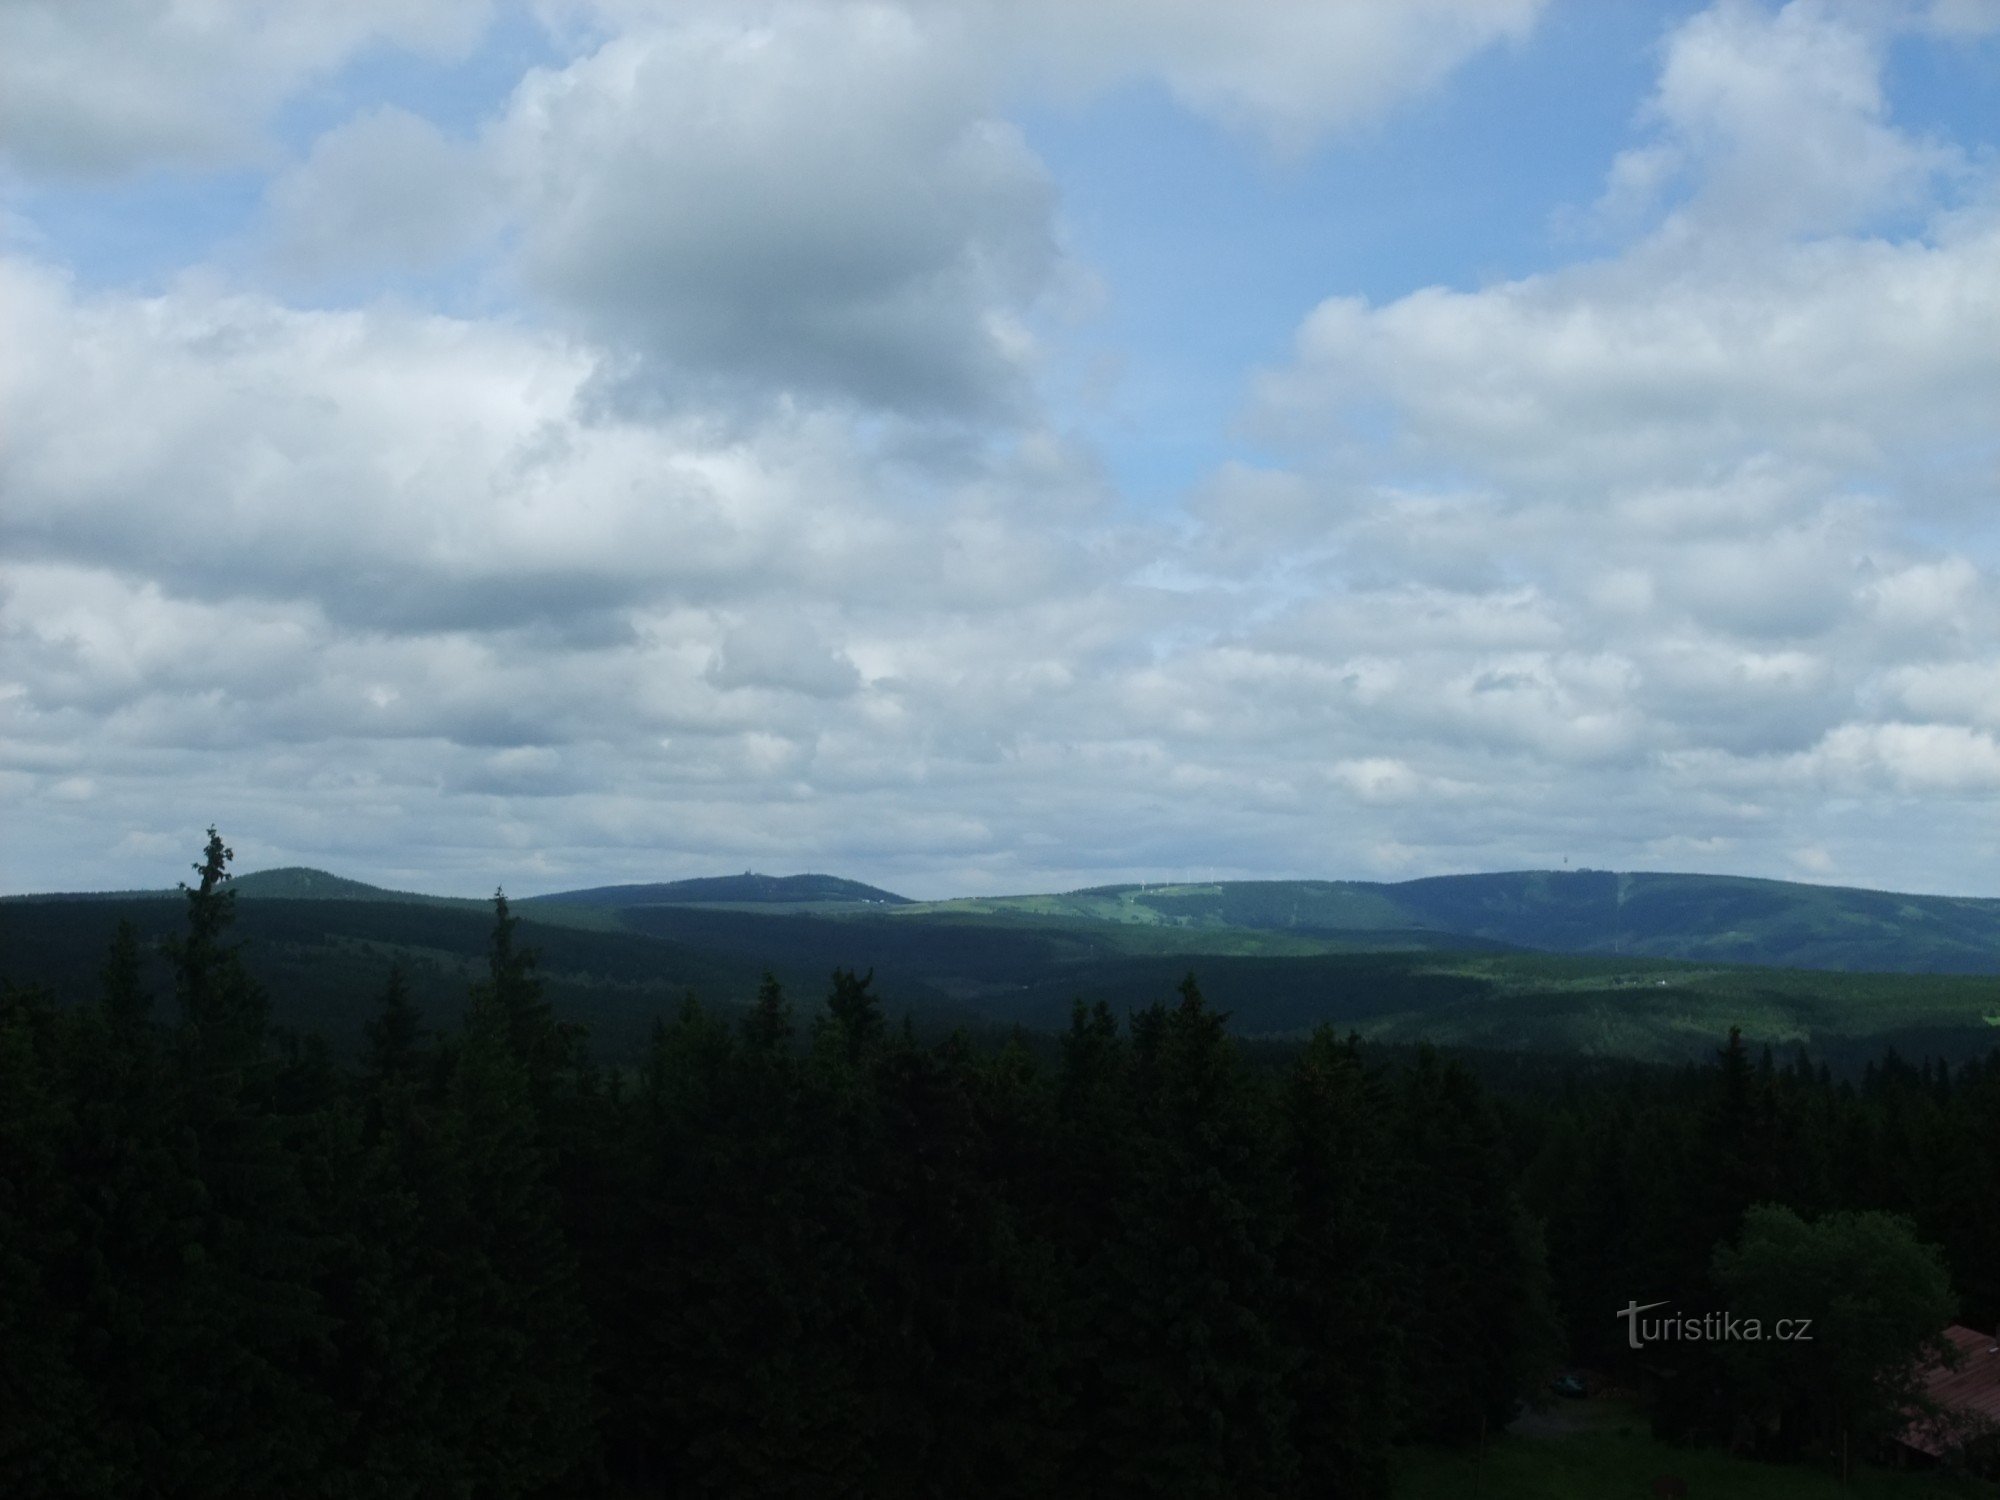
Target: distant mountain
[1648,966]
[1698,918]
[734,890]
[288,883]
[298,883]
[1713,917]
[1704,918]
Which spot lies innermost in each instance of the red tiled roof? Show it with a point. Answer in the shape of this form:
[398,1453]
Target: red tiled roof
[1968,1395]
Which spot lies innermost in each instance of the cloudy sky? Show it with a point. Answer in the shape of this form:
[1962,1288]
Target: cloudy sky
[982,445]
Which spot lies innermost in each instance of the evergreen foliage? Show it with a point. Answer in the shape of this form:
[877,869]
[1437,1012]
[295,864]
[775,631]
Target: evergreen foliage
[1156,1265]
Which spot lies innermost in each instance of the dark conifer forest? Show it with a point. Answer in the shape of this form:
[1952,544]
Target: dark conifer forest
[830,1259]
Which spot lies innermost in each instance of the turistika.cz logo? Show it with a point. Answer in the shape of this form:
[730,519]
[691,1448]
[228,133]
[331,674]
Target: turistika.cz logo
[1707,1328]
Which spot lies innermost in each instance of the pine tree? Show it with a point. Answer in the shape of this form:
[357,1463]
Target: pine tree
[257,1423]
[516,1355]
[1335,1260]
[1471,1297]
[223,1011]
[768,1027]
[395,1032]
[49,1420]
[854,1013]
[1096,1145]
[1199,1406]
[125,998]
[513,989]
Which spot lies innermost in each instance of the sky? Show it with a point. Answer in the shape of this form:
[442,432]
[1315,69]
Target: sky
[999,445]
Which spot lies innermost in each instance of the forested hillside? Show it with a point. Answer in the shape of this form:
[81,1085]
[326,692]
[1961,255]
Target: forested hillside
[615,969]
[1706,918]
[829,1258]
[747,889]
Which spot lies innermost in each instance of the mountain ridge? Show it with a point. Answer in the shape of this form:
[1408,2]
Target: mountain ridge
[1638,914]
[749,888]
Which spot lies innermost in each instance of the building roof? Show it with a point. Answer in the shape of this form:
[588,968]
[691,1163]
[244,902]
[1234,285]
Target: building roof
[1968,1396]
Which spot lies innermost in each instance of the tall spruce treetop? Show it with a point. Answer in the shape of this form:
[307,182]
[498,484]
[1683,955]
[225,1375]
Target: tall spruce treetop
[394,1032]
[768,1027]
[210,909]
[856,1011]
[126,1000]
[514,990]
[220,1004]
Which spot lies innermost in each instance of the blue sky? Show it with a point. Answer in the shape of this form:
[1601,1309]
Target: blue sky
[1213,244]
[979,447]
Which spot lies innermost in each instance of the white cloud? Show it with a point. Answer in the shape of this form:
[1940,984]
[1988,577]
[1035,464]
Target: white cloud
[1966,692]
[814,201]
[1290,70]
[1843,356]
[744,536]
[772,649]
[1960,19]
[1780,121]
[408,471]
[106,87]
[822,207]
[1921,758]
[385,190]
[1750,336]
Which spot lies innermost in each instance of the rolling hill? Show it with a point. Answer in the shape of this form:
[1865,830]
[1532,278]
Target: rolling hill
[1697,918]
[1700,918]
[746,889]
[1633,966]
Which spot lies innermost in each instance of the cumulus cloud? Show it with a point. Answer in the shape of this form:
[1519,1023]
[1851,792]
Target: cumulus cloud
[1747,348]
[773,650]
[816,202]
[384,190]
[1846,355]
[746,533]
[104,88]
[821,207]
[1723,456]
[410,471]
[1780,123]
[1289,70]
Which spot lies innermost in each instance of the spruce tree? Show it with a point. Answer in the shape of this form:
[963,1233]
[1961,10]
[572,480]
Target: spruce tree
[223,1010]
[1471,1294]
[516,1355]
[394,1032]
[49,1415]
[513,991]
[125,998]
[854,1013]
[1338,1317]
[768,1027]
[1199,1405]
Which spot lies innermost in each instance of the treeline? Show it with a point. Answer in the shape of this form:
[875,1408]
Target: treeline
[822,1258]
[762,1263]
[1643,1180]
